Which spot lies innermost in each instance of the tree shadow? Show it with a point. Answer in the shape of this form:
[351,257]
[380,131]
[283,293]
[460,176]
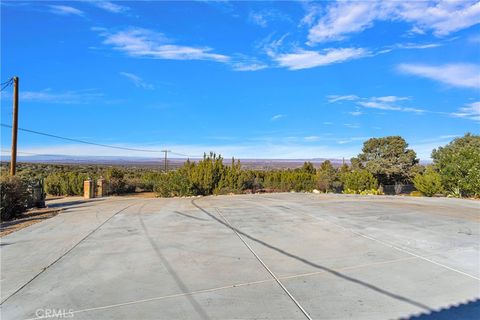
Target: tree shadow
[315,265]
[9,224]
[72,204]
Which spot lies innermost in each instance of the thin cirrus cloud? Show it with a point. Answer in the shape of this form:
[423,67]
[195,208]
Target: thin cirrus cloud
[470,111]
[338,98]
[65,10]
[137,80]
[305,59]
[65,97]
[387,103]
[263,18]
[110,6]
[144,43]
[277,117]
[343,18]
[139,42]
[241,66]
[457,74]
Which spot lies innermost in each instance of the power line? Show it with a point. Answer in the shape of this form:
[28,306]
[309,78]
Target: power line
[6,84]
[79,141]
[185,155]
[94,143]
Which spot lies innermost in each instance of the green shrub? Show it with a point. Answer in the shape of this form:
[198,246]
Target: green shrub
[326,177]
[149,179]
[53,185]
[288,180]
[65,184]
[173,184]
[115,178]
[14,197]
[459,166]
[358,181]
[429,183]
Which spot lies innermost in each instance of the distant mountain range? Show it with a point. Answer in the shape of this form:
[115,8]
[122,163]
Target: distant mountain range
[174,162]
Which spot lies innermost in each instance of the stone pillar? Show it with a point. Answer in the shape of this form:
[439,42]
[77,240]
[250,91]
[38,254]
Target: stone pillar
[88,189]
[101,190]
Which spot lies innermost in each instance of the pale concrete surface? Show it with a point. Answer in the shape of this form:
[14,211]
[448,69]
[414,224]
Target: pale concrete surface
[337,256]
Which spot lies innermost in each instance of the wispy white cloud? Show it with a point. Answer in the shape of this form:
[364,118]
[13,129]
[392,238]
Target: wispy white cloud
[470,111]
[352,125]
[356,113]
[458,74]
[110,6]
[240,66]
[343,18]
[258,18]
[378,105]
[441,17]
[137,81]
[65,10]
[337,98]
[277,117]
[312,138]
[382,103]
[390,98]
[242,62]
[139,42]
[352,139]
[262,18]
[65,97]
[417,45]
[305,59]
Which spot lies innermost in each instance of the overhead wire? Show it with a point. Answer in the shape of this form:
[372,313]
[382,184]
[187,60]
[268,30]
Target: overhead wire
[94,143]
[6,84]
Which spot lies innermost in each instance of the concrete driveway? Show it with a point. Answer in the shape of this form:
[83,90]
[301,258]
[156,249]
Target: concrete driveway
[275,256]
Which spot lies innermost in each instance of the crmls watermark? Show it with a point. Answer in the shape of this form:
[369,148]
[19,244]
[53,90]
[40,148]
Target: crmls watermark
[54,313]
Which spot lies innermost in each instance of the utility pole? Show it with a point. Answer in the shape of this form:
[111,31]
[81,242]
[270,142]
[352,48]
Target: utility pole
[13,159]
[166,151]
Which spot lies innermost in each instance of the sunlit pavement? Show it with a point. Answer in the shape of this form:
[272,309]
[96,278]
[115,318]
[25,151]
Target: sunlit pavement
[270,256]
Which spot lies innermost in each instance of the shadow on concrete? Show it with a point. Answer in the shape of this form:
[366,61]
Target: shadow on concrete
[198,308]
[189,216]
[8,224]
[74,203]
[463,311]
[320,267]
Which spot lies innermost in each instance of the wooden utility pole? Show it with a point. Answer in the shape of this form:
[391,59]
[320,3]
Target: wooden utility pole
[166,151]
[13,159]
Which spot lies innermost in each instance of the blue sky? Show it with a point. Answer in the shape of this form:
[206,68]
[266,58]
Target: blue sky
[245,79]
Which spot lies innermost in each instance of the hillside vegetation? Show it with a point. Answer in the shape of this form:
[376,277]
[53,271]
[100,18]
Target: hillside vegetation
[383,162]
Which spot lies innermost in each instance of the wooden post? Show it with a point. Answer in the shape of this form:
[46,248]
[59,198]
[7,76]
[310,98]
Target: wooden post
[13,159]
